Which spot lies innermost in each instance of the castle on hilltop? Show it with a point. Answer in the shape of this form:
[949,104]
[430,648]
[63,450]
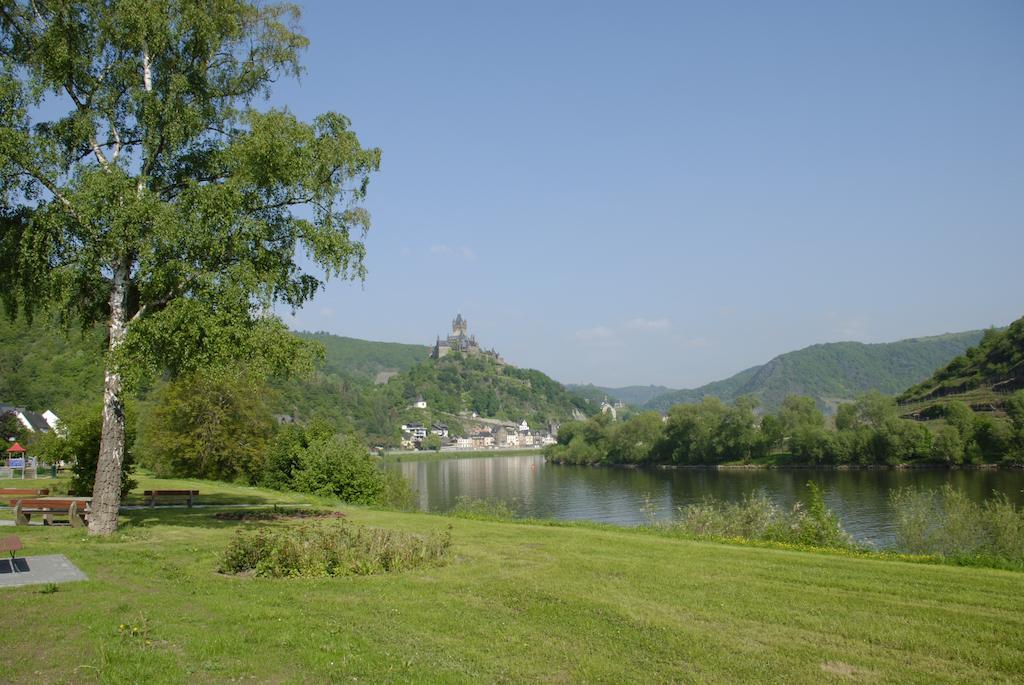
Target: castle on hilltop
[460,341]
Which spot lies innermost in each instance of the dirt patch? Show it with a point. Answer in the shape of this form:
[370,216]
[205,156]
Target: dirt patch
[840,669]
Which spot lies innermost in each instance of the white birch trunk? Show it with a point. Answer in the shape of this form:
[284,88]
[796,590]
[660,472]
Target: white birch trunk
[106,494]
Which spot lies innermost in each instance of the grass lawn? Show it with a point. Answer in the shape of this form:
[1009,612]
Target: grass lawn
[517,603]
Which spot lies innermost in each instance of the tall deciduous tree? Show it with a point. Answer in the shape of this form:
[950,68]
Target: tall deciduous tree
[141,188]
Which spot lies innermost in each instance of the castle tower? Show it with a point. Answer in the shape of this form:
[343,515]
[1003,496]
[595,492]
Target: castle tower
[459,326]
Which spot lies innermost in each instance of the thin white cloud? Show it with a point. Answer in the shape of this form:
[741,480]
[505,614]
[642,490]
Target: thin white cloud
[595,333]
[641,324]
[461,252]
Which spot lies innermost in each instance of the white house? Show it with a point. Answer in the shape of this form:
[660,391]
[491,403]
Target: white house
[32,421]
[417,430]
[524,426]
[439,429]
[420,403]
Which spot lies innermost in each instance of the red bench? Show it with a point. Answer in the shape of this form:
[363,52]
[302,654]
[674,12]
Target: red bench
[5,492]
[75,509]
[179,495]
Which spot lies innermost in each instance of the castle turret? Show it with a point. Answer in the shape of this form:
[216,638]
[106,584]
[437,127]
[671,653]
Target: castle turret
[459,326]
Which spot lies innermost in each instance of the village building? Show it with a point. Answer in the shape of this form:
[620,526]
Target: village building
[33,422]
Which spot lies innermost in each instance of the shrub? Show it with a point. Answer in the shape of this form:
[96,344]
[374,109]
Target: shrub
[758,518]
[470,507]
[340,466]
[335,548]
[947,523]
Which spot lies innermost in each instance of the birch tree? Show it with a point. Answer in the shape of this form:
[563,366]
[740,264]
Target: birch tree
[140,186]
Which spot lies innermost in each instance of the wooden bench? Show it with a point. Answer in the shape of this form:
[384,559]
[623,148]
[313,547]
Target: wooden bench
[11,544]
[74,509]
[186,496]
[10,492]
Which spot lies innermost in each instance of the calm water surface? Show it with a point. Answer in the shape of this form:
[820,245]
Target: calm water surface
[537,489]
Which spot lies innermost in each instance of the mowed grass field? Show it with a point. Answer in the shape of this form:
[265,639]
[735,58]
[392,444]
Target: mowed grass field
[517,602]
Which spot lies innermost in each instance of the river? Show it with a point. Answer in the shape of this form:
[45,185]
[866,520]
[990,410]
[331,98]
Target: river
[536,489]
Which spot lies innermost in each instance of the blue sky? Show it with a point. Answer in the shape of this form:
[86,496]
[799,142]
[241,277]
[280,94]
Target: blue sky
[670,192]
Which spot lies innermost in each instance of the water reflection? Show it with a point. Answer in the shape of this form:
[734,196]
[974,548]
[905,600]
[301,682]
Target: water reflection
[537,489]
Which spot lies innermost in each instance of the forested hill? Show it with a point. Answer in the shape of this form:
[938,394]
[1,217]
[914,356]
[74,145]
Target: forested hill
[43,367]
[832,372]
[636,395]
[478,383]
[365,359]
[994,365]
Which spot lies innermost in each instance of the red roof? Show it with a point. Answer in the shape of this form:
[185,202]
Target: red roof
[16,448]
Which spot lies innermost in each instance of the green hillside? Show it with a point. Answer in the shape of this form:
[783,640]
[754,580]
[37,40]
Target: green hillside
[459,383]
[981,377]
[833,372]
[636,395]
[365,358]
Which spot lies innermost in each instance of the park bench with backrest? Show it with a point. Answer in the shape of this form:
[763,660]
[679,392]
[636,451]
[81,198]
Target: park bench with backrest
[74,509]
[11,544]
[11,492]
[187,496]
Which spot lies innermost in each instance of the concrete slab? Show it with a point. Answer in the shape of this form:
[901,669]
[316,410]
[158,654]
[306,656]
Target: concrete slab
[52,568]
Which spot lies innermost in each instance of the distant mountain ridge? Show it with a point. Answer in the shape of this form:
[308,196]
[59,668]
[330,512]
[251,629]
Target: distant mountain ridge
[635,395]
[832,372]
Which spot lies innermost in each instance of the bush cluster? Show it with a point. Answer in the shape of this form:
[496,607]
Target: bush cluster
[335,548]
[947,523]
[473,508]
[758,518]
[314,459]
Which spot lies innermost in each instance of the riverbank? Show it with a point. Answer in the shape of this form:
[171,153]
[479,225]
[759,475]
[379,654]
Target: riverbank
[564,603]
[786,464]
[429,455]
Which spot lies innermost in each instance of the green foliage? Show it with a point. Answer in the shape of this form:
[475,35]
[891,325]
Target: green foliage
[42,366]
[833,371]
[80,447]
[482,509]
[868,431]
[758,518]
[142,191]
[211,425]
[947,523]
[997,359]
[339,466]
[11,429]
[337,548]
